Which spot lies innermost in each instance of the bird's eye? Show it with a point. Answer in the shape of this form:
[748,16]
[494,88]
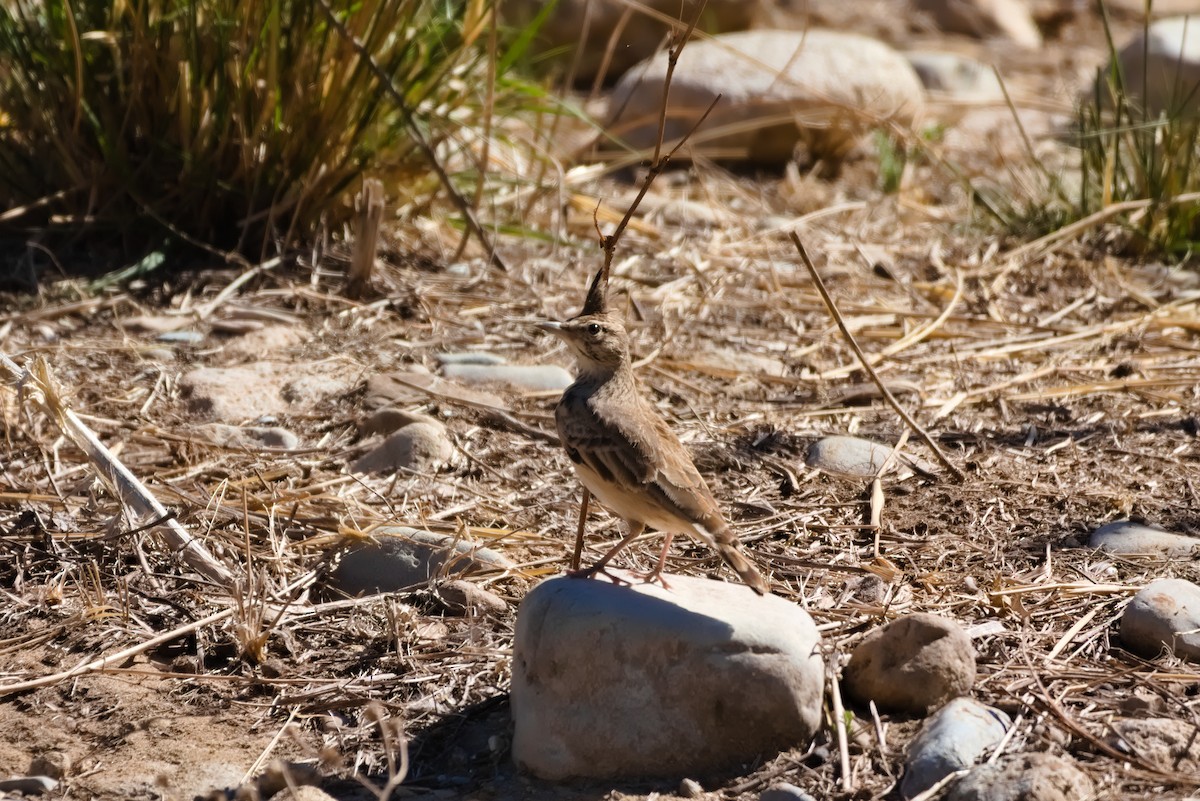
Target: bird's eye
[593,329]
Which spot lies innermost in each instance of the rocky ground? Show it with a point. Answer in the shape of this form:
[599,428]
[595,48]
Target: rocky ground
[282,425]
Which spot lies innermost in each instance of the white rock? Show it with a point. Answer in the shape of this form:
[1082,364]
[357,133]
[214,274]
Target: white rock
[1024,777]
[913,664]
[955,737]
[981,19]
[621,682]
[416,446]
[956,76]
[1164,614]
[1127,537]
[779,88]
[848,457]
[532,377]
[400,558]
[784,792]
[1162,69]
[583,28]
[236,394]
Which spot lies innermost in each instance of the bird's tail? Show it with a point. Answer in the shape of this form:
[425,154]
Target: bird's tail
[731,551]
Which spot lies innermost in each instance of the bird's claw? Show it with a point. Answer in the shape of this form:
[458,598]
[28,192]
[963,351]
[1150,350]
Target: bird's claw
[597,570]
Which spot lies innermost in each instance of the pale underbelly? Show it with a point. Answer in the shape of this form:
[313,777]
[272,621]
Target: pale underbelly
[635,508]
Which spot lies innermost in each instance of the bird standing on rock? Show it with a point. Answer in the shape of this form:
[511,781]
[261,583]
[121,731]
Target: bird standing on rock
[623,451]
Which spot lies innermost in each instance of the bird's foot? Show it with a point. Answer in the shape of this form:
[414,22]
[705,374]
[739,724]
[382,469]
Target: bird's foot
[654,577]
[597,570]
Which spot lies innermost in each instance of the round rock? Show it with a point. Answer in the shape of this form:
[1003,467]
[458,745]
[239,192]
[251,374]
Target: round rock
[400,558]
[1171,745]
[1127,537]
[1165,614]
[779,89]
[848,457]
[622,682]
[416,446]
[955,737]
[913,664]
[1024,777]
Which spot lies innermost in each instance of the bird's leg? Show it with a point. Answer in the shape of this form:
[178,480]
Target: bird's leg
[583,511]
[656,573]
[635,531]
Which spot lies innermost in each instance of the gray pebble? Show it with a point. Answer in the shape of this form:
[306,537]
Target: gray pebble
[1165,614]
[401,558]
[784,792]
[416,446]
[471,357]
[181,337]
[955,737]
[1127,537]
[690,788]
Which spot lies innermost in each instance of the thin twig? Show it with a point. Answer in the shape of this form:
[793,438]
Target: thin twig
[866,363]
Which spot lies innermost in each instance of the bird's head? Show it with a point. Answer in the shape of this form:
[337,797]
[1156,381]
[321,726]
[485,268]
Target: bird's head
[596,337]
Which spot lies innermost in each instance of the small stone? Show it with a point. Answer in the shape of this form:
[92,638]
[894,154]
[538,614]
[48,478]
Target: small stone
[249,437]
[400,558]
[28,785]
[1024,777]
[848,457]
[531,377]
[913,664]
[690,788]
[1160,68]
[1127,537]
[388,419]
[251,391]
[955,76]
[784,792]
[416,446]
[466,598]
[981,19]
[1171,745]
[181,337]
[54,764]
[955,737]
[820,82]
[640,681]
[1164,614]
[471,357]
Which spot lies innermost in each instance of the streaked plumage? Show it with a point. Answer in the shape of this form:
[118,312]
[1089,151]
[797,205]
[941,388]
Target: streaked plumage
[623,451]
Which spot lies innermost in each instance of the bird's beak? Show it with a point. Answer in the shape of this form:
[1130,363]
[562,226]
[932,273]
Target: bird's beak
[551,328]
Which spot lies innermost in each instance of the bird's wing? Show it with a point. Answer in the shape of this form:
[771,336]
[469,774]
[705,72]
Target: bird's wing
[639,451]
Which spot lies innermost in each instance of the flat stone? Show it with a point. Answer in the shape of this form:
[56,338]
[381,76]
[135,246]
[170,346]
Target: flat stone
[416,446]
[398,558]
[389,419]
[1164,614]
[621,682]
[955,76]
[471,357]
[954,738]
[784,792]
[781,89]
[531,377]
[913,664]
[263,389]
[1161,68]
[848,457]
[1171,745]
[1127,537]
[249,437]
[982,19]
[1024,777]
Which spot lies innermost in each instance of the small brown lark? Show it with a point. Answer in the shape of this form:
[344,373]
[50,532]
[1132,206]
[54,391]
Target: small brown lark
[623,451]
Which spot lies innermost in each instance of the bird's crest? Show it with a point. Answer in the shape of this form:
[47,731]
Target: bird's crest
[597,296]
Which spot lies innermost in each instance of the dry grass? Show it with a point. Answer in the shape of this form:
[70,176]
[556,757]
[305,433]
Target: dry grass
[1067,392]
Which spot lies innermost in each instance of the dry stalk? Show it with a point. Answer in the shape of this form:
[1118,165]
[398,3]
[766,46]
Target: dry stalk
[37,385]
[866,363]
[366,244]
